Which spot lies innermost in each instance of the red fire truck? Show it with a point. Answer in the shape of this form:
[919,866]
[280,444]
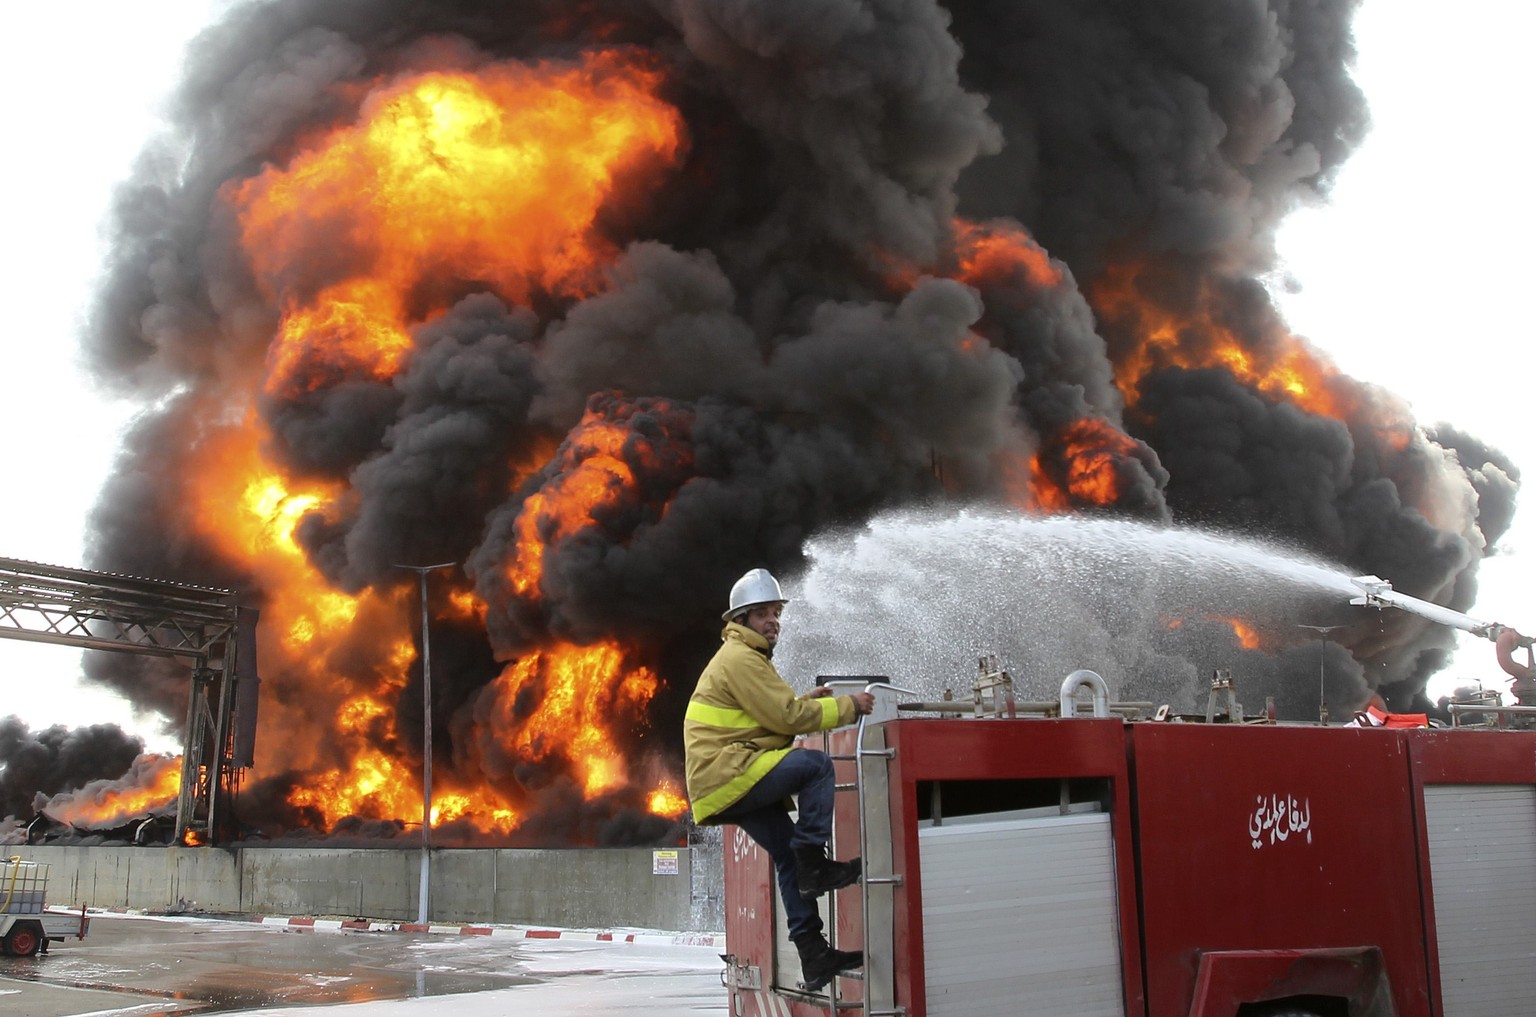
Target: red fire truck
[1215,866]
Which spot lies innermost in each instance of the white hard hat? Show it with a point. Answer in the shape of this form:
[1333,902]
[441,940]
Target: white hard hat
[756,587]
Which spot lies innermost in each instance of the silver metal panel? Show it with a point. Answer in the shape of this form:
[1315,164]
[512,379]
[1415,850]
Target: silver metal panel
[1483,873]
[1020,916]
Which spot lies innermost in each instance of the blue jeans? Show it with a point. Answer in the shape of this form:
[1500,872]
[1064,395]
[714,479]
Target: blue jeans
[806,774]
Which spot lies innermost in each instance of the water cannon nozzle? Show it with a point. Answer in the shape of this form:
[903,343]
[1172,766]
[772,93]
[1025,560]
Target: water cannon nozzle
[1372,587]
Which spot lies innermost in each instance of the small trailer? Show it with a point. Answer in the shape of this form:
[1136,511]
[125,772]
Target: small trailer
[27,924]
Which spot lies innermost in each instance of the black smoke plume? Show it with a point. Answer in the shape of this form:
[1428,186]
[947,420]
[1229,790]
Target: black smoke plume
[58,759]
[794,332]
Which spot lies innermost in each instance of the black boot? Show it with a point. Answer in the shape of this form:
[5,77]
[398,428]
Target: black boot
[819,962]
[817,874]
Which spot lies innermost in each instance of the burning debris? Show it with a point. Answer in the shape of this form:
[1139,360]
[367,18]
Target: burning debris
[135,806]
[57,760]
[609,301]
[138,806]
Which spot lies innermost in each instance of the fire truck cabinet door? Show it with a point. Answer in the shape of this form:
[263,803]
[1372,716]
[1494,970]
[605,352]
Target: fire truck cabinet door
[1483,870]
[1020,917]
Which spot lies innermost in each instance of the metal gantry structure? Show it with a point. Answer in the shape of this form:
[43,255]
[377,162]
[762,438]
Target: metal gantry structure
[203,625]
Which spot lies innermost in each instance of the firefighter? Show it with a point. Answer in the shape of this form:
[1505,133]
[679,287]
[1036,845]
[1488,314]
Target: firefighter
[738,739]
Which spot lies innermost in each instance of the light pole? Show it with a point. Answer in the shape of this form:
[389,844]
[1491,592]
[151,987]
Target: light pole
[1322,637]
[426,740]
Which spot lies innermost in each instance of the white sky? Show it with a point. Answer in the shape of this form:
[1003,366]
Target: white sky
[84,84]
[1412,278]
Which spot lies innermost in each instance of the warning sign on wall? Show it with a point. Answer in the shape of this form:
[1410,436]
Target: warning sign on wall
[663,863]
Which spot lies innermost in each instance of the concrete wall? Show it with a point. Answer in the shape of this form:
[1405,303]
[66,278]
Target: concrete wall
[596,888]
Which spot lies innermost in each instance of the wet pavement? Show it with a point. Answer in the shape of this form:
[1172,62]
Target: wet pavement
[143,966]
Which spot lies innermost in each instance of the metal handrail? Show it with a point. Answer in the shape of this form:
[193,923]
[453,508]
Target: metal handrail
[860,752]
[1457,709]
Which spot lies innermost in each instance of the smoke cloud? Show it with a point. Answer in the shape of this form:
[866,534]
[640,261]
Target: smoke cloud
[860,256]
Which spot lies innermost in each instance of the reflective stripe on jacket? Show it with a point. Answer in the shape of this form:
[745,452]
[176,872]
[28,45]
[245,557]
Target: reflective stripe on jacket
[742,719]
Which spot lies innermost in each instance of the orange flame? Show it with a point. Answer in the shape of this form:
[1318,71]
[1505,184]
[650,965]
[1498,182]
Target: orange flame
[580,692]
[373,785]
[249,511]
[1281,365]
[376,785]
[495,178]
[467,605]
[592,472]
[1091,449]
[1076,467]
[1047,495]
[444,184]
[1247,636]
[152,783]
[666,801]
[1000,251]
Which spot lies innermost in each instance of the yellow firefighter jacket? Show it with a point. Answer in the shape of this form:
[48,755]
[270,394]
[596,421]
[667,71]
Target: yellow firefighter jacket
[742,720]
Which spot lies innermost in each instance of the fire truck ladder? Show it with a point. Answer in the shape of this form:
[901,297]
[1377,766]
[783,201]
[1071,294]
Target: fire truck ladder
[871,783]
[106,611]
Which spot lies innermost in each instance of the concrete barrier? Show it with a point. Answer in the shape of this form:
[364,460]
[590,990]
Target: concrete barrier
[583,888]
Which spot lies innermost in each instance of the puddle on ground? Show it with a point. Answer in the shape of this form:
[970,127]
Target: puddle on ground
[247,970]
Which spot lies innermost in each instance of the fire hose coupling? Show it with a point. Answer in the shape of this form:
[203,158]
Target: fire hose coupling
[1504,645]
[1504,635]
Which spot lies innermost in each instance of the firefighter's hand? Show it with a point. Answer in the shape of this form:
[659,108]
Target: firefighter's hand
[863,702]
[819,692]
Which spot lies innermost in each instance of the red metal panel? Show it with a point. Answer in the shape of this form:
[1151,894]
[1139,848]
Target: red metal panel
[1006,750]
[1461,757]
[1352,975]
[1010,749]
[749,904]
[1260,851]
[1473,757]
[1276,839]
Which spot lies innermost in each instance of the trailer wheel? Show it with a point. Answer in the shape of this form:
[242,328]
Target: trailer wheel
[24,939]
